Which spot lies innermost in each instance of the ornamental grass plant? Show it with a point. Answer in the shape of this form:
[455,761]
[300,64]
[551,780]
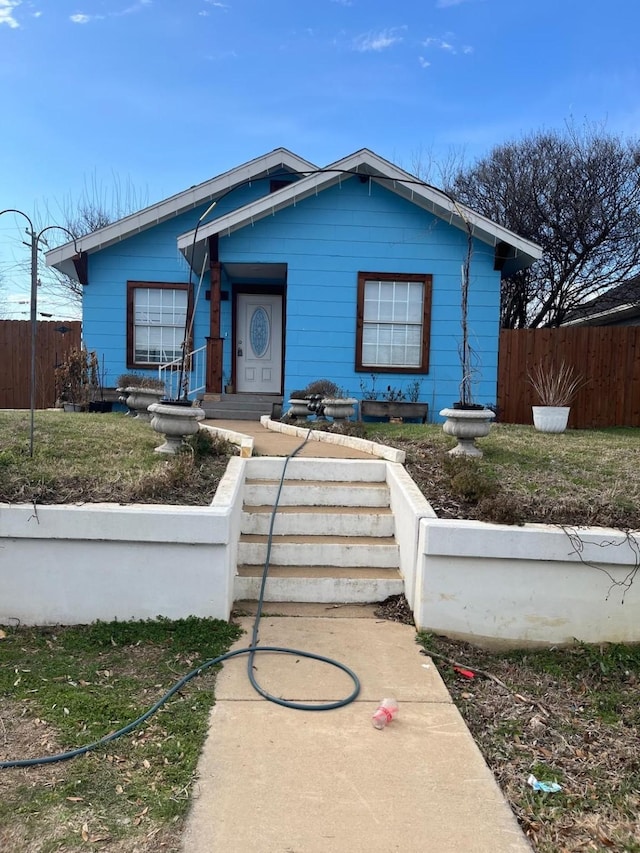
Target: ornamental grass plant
[556,386]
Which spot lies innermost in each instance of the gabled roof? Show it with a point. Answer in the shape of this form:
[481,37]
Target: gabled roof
[208,191]
[616,304]
[375,168]
[512,252]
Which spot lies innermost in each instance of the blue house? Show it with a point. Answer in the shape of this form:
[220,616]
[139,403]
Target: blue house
[282,273]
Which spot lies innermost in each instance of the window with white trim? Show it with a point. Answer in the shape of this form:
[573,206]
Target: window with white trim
[156,322]
[393,322]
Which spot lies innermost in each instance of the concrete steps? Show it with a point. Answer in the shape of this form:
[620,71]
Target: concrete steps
[316,520]
[240,407]
[333,536]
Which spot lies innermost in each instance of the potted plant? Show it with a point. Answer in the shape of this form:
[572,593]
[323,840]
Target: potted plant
[326,399]
[96,380]
[139,392]
[394,403]
[76,379]
[466,420]
[556,389]
[298,404]
[175,422]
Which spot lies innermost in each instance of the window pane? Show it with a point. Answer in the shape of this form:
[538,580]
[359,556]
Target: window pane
[159,321]
[392,327]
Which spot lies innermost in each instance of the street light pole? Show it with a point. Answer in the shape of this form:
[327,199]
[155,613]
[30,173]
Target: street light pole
[35,239]
[34,303]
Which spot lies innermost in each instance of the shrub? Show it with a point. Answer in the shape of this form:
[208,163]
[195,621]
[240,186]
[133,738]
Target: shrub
[77,378]
[468,481]
[323,388]
[139,380]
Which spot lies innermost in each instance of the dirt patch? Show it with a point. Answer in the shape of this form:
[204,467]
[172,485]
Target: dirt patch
[568,716]
[488,491]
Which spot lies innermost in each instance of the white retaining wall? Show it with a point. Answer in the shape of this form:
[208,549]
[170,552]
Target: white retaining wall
[484,582]
[409,507]
[76,564]
[526,585]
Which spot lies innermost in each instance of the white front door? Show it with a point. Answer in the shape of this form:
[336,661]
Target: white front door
[259,343]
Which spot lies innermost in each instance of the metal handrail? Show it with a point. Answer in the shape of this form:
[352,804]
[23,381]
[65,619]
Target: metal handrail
[195,366]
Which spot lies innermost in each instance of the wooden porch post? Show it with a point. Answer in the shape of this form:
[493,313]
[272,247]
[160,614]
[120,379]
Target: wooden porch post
[213,381]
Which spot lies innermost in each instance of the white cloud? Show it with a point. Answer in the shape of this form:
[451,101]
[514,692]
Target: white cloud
[217,4]
[378,41]
[130,10]
[6,13]
[424,63]
[138,6]
[446,44]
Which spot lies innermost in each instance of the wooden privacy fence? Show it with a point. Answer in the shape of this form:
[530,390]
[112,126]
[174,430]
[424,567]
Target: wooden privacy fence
[53,340]
[607,356]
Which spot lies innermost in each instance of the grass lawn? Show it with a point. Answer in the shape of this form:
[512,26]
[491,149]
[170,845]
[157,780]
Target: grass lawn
[90,458]
[589,477]
[566,715]
[61,688]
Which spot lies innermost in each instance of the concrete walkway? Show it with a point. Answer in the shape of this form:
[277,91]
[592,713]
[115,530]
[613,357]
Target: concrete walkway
[274,780]
[269,443]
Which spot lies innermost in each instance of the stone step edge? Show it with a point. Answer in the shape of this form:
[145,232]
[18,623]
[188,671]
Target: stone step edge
[308,509]
[355,572]
[312,539]
[325,484]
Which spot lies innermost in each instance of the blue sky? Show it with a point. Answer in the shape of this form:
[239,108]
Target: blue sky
[153,96]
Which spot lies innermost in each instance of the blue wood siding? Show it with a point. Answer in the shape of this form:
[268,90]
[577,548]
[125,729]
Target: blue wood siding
[324,241]
[150,256]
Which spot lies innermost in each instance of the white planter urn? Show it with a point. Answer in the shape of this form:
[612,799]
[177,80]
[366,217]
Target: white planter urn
[175,422]
[339,409]
[139,400]
[550,418]
[466,425]
[299,408]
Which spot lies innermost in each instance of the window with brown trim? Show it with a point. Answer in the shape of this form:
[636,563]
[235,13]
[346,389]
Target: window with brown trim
[156,320]
[393,322]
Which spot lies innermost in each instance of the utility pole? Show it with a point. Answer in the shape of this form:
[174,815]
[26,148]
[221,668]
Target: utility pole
[34,319]
[33,244]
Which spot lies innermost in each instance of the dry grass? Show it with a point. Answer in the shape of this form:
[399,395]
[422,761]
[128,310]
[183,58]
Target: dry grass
[581,477]
[568,716]
[90,458]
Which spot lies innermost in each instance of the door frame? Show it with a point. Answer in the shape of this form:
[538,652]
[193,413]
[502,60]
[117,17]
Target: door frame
[267,290]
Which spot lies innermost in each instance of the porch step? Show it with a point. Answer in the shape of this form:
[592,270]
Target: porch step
[333,537]
[353,551]
[240,407]
[319,520]
[319,584]
[316,493]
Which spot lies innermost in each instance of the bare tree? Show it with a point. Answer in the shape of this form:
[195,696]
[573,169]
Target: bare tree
[435,169]
[98,205]
[577,194]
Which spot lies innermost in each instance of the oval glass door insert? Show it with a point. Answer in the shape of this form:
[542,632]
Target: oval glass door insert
[259,332]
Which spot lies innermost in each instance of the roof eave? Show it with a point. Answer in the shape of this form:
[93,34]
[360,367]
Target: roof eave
[368,164]
[195,196]
[600,318]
